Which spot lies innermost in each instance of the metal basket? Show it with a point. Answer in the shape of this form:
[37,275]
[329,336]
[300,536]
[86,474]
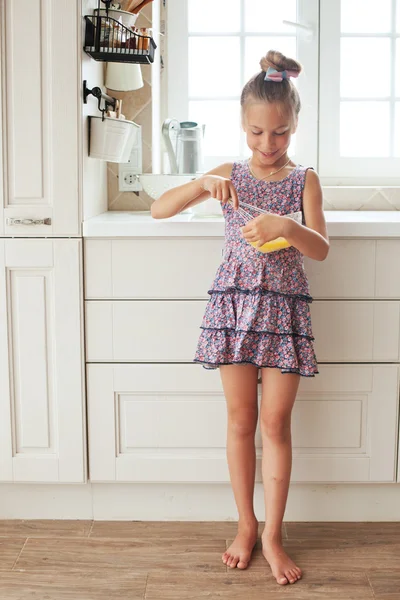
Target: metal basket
[107,39]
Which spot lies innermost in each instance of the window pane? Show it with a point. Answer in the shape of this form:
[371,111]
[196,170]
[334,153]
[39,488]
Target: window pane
[222,121]
[267,15]
[214,16]
[365,16]
[397,67]
[214,66]
[397,131]
[257,47]
[364,129]
[369,77]
[398,16]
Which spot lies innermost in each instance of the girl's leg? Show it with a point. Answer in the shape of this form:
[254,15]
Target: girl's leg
[240,387]
[278,395]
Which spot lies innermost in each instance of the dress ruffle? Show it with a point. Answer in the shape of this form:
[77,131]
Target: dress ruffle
[289,353]
[258,311]
[260,327]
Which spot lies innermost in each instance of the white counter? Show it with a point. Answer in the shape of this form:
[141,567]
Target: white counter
[385,224]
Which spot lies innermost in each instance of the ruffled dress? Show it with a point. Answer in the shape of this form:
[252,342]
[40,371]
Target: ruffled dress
[258,311]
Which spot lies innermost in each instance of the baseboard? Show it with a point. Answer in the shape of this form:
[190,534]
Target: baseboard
[194,502]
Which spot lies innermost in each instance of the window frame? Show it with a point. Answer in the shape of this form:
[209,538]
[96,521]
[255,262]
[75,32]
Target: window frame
[317,137]
[334,169]
[177,63]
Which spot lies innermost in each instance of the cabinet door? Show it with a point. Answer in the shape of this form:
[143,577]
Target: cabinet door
[40,117]
[42,425]
[345,424]
[158,423]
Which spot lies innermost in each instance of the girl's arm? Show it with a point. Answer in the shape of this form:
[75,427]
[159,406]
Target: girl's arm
[312,239]
[175,200]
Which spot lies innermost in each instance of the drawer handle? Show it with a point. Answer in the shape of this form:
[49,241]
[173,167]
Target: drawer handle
[28,221]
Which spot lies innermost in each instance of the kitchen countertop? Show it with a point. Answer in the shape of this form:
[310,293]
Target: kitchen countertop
[340,223]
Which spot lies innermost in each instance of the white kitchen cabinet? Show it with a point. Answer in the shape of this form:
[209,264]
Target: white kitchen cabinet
[151,268]
[173,268]
[160,423]
[42,410]
[41,117]
[168,330]
[150,421]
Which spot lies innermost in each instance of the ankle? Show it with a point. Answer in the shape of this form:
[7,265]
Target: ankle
[271,537]
[247,522]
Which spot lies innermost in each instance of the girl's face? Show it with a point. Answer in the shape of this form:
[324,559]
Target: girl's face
[268,131]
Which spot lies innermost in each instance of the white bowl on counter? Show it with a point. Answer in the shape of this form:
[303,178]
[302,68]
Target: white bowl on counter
[155,184]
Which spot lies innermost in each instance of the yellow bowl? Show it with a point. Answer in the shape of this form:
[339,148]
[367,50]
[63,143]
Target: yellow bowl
[277,244]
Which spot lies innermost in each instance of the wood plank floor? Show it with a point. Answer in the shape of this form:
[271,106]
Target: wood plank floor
[115,560]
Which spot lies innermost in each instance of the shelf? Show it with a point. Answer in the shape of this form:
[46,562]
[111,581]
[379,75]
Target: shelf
[107,40]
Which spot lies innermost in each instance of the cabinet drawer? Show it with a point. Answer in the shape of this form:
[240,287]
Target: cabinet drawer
[359,331]
[147,331]
[157,423]
[151,268]
[185,267]
[143,331]
[356,269]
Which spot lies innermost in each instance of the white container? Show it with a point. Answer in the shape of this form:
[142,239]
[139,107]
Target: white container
[127,19]
[112,139]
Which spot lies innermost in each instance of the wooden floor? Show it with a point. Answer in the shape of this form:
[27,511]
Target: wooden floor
[85,560]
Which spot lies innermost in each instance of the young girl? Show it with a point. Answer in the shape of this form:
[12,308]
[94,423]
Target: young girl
[258,316]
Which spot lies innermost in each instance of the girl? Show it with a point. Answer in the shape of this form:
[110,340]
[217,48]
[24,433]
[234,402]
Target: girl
[258,316]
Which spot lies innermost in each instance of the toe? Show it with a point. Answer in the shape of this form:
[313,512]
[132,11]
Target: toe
[291,576]
[234,562]
[242,564]
[282,580]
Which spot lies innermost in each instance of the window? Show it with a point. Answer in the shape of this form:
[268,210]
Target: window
[349,126]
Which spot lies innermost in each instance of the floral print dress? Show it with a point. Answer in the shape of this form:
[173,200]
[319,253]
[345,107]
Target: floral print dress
[258,312]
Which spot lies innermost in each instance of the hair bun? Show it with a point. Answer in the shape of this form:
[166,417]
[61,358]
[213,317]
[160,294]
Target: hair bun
[277,60]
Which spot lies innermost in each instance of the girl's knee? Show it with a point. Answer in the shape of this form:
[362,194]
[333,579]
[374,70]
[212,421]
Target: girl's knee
[275,426]
[243,422]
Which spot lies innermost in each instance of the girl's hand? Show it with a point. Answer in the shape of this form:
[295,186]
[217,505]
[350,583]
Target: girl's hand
[220,188]
[264,228]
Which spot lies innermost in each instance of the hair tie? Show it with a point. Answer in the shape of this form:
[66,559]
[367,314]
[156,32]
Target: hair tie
[274,75]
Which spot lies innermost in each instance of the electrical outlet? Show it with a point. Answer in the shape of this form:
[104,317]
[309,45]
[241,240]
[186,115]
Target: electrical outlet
[129,181]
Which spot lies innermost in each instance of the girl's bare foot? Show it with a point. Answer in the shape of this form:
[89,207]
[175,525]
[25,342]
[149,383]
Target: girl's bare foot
[283,568]
[239,552]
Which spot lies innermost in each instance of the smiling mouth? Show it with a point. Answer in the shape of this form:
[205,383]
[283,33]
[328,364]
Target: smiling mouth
[268,154]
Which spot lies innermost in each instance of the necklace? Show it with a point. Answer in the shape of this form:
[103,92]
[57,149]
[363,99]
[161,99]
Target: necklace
[269,175]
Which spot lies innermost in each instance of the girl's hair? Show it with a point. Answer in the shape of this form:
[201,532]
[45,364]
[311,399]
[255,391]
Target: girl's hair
[284,93]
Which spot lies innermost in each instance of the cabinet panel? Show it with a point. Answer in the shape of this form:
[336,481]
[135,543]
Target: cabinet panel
[41,362]
[347,272]
[156,423]
[42,116]
[184,268]
[356,331]
[143,331]
[151,268]
[388,268]
[168,330]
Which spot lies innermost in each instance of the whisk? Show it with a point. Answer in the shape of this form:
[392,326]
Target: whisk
[273,245]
